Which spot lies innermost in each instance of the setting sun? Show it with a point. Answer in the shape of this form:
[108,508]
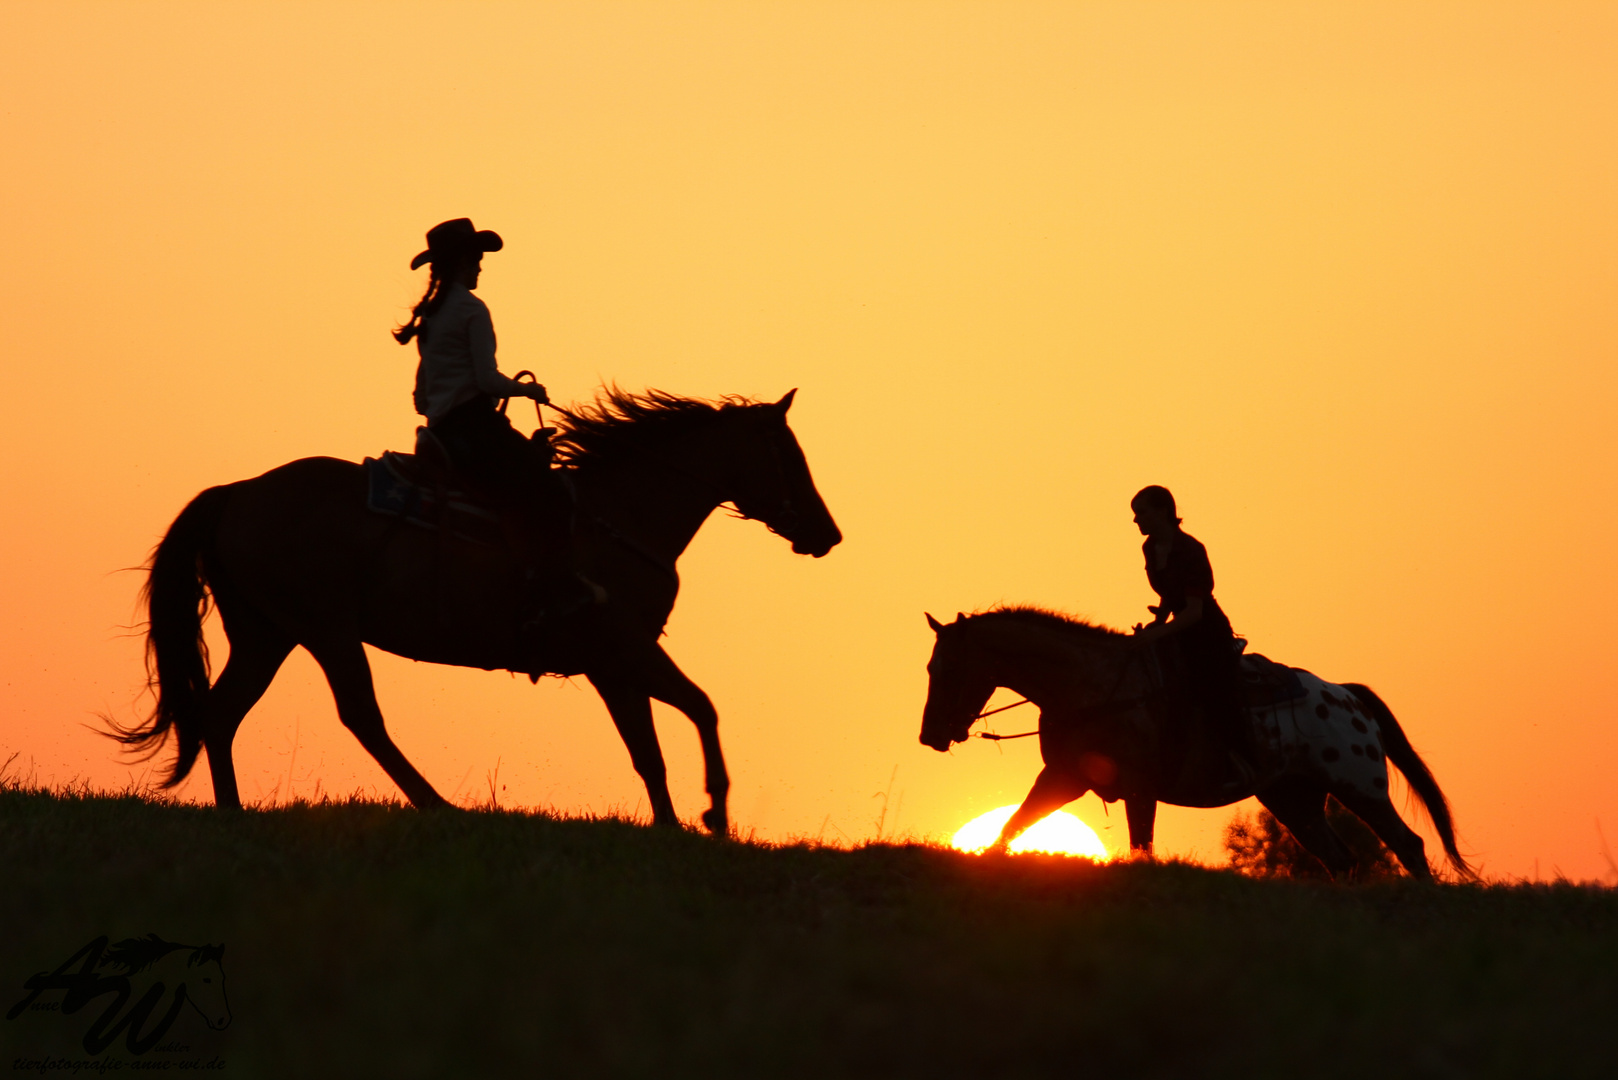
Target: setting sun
[1059,834]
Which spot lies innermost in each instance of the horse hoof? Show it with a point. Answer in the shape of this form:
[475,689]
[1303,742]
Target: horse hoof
[716,822]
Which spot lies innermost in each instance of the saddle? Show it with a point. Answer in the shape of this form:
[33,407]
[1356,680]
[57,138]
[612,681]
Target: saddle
[1266,683]
[422,490]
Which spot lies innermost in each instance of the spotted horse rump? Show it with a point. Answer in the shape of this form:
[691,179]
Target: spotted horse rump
[1326,731]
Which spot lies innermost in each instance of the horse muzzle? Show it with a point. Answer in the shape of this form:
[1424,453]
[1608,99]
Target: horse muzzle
[935,737]
[817,546]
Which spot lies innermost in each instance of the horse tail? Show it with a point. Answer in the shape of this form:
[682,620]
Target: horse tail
[1399,751]
[176,596]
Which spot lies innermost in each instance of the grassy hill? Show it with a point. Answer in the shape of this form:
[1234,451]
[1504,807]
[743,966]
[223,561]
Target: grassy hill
[364,939]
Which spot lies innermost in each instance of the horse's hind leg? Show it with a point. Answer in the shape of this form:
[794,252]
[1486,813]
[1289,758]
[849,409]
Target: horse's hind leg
[1301,807]
[631,709]
[1052,790]
[257,651]
[1377,812]
[349,673]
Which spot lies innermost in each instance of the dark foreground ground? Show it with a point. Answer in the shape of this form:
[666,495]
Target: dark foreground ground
[368,940]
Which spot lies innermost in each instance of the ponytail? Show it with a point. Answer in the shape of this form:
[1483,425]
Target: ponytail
[430,302]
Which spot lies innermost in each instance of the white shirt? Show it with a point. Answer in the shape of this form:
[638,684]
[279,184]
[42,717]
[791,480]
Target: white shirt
[457,356]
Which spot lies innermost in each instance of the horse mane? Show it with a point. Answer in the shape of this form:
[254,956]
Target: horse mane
[138,954]
[1045,618]
[619,423]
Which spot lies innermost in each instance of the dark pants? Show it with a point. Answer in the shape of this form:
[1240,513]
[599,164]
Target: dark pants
[489,453]
[1214,672]
[482,444]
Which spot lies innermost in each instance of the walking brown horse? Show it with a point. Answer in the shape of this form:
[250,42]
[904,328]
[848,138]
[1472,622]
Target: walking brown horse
[293,557]
[1106,725]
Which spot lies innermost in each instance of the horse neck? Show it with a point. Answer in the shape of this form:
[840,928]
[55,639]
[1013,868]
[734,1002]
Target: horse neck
[658,495]
[1048,668]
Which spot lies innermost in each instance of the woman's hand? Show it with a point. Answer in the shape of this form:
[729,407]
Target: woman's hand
[537,392]
[1185,617]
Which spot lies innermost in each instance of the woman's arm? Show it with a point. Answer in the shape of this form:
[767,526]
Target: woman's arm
[1182,620]
[480,336]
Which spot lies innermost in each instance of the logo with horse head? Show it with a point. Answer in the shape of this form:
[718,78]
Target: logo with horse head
[150,982]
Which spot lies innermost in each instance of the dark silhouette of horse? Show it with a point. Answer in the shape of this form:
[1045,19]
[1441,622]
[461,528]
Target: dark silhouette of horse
[184,974]
[293,557]
[1107,725]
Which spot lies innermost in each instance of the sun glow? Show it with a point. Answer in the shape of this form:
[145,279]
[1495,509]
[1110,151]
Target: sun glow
[1058,834]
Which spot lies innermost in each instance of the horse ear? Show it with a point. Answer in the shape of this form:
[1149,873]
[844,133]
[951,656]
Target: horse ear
[786,402]
[934,623]
[960,616]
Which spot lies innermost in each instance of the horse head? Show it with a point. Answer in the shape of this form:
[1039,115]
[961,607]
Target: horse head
[959,684]
[771,482]
[205,985]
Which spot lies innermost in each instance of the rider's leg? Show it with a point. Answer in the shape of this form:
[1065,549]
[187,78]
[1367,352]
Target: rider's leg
[540,510]
[545,510]
[1216,678]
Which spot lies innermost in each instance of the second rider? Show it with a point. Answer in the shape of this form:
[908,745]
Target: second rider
[1178,570]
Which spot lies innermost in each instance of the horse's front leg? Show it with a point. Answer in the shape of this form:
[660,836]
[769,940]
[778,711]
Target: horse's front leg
[1052,790]
[670,685]
[631,709]
[1141,813]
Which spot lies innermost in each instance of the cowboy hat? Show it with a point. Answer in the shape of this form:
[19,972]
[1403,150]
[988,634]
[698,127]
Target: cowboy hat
[452,239]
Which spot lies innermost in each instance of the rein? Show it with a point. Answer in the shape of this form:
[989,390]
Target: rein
[1001,709]
[1106,707]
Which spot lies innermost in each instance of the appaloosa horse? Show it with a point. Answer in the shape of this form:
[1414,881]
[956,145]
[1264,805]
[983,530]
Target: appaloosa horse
[1106,726]
[293,557]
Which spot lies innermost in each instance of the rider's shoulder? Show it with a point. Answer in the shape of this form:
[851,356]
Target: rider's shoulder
[1187,545]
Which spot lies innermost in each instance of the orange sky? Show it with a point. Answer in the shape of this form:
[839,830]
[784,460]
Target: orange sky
[1342,276]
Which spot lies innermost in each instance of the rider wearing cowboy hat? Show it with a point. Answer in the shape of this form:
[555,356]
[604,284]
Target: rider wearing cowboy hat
[457,385]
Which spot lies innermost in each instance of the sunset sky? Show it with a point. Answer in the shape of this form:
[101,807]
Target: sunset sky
[1343,276]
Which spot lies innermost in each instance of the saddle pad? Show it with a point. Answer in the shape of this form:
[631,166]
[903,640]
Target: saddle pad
[388,491]
[1266,683]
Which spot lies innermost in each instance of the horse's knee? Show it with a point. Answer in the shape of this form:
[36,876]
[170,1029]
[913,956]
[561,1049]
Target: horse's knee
[366,727]
[650,768]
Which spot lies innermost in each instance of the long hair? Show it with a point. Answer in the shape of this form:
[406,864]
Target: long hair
[441,273]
